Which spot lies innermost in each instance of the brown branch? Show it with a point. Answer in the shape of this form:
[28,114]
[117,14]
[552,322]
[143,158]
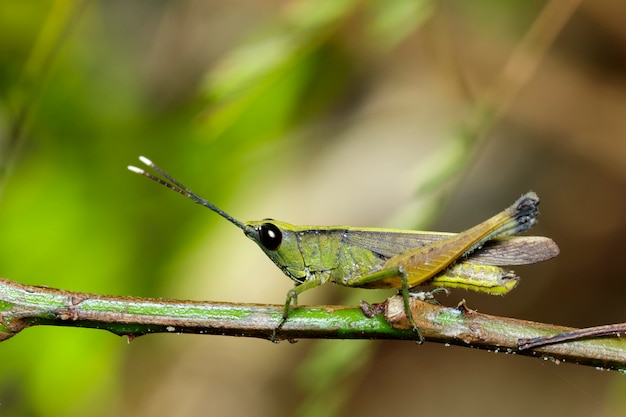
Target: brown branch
[464,327]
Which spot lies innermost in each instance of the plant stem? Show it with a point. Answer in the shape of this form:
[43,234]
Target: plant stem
[23,306]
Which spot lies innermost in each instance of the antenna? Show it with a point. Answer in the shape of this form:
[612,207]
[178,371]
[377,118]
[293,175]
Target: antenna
[171,183]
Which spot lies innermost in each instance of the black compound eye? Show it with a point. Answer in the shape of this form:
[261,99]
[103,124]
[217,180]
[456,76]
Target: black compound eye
[270,236]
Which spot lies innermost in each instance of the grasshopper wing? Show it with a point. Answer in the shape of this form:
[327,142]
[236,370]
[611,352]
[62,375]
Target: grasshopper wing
[515,250]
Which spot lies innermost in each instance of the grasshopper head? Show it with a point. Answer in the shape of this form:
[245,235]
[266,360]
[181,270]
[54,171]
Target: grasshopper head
[277,239]
[280,243]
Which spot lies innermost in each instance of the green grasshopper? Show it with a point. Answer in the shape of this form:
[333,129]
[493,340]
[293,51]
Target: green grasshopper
[388,258]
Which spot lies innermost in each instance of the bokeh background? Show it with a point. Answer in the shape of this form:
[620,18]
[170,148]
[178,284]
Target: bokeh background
[412,113]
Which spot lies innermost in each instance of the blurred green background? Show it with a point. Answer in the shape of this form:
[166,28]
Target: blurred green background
[412,113]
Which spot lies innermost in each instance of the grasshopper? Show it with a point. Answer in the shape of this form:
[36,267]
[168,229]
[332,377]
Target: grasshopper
[390,258]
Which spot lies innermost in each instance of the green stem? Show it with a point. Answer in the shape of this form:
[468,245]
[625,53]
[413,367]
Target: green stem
[23,306]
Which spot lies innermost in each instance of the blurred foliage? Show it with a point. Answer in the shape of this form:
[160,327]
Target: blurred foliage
[229,99]
[77,107]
